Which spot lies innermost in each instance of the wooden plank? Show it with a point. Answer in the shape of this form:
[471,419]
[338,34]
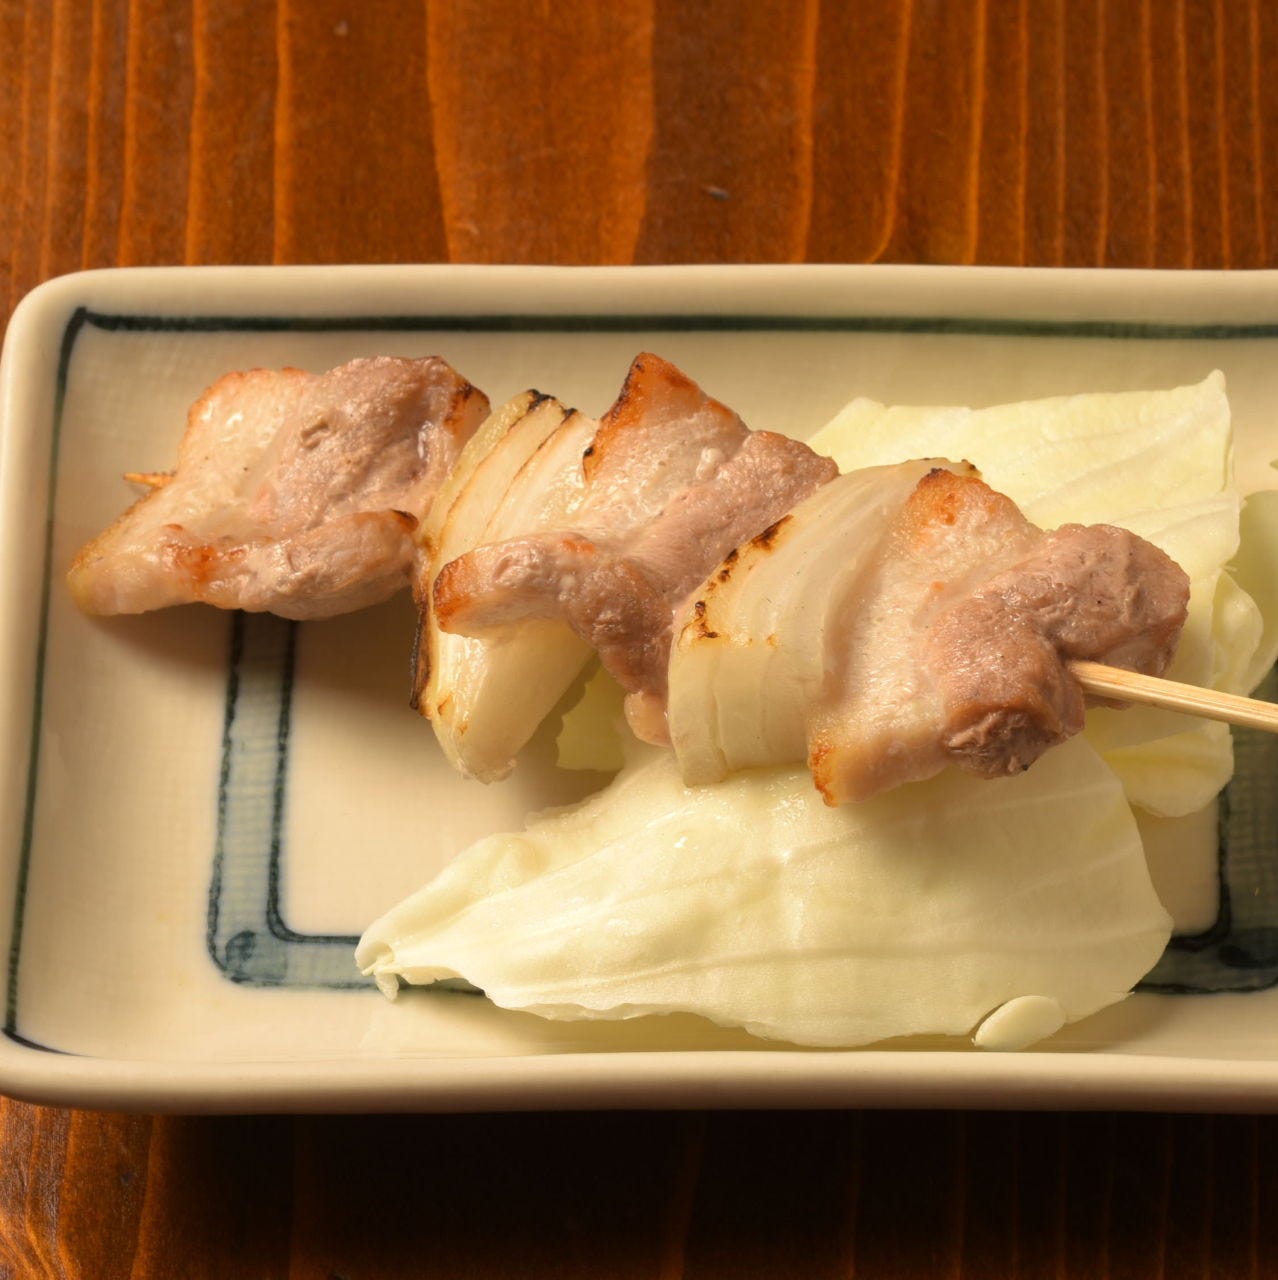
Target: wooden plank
[1080,132]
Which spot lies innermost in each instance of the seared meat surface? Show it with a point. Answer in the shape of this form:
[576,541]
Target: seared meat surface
[886,623]
[1085,591]
[938,620]
[955,649]
[294,493]
[674,481]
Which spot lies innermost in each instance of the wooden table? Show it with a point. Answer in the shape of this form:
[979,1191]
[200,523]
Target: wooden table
[1034,132]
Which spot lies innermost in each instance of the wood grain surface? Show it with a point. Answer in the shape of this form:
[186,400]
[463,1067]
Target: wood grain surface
[1038,132]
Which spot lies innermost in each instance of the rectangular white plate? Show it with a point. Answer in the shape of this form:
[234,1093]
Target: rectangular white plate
[199,813]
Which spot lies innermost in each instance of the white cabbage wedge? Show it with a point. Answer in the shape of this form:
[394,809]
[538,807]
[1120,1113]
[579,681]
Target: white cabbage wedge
[1253,569]
[486,697]
[754,904]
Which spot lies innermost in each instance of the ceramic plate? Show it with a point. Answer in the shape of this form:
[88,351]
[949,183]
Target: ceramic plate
[202,811]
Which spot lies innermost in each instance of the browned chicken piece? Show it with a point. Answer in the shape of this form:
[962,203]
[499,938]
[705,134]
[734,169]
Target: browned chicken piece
[294,493]
[955,649]
[674,481]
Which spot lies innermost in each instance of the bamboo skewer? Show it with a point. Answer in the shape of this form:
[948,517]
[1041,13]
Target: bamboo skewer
[1129,686]
[152,479]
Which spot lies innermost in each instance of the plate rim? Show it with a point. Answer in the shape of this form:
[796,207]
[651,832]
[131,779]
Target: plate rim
[871,1077]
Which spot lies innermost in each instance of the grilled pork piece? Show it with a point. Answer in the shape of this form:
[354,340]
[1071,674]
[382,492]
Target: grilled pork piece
[945,640]
[674,481]
[294,493]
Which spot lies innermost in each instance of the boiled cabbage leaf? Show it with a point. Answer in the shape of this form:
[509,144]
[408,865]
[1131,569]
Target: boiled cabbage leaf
[754,904]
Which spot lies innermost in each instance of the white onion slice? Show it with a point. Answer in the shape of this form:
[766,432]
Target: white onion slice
[485,698]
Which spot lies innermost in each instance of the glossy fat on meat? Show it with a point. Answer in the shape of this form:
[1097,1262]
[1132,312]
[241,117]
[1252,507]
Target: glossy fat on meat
[661,436]
[294,493]
[674,481]
[955,651]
